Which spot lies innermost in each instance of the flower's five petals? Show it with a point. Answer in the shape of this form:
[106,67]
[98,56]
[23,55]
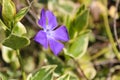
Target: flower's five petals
[51,34]
[61,34]
[42,20]
[55,46]
[41,38]
[52,21]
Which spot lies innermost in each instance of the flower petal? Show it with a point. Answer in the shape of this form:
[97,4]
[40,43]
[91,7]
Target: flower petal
[52,21]
[61,34]
[41,38]
[55,46]
[42,20]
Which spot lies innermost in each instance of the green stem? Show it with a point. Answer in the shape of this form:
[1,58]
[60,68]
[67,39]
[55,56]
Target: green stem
[79,69]
[21,64]
[109,33]
[101,52]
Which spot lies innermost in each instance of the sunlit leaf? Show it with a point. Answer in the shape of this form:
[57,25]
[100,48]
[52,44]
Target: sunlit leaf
[3,25]
[8,10]
[64,77]
[79,46]
[19,29]
[29,64]
[89,70]
[8,54]
[45,73]
[21,14]
[68,76]
[16,42]
[80,21]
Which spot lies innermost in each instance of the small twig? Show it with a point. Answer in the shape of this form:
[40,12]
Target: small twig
[79,70]
[31,21]
[114,25]
[28,2]
[32,11]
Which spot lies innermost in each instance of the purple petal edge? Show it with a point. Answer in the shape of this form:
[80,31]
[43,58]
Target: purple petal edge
[41,38]
[52,21]
[61,34]
[55,46]
[42,20]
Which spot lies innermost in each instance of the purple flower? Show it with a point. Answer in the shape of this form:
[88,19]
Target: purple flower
[51,35]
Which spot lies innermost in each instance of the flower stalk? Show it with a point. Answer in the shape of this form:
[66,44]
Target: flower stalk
[79,69]
[21,64]
[109,33]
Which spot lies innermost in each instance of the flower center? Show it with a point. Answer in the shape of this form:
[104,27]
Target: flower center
[48,32]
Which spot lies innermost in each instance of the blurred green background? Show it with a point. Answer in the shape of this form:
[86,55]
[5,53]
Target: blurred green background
[89,44]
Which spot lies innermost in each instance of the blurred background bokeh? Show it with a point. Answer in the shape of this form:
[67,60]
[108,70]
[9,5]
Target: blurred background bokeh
[98,61]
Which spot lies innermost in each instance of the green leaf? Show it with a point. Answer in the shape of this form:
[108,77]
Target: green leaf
[68,76]
[54,60]
[16,42]
[62,7]
[19,29]
[3,77]
[3,25]
[21,14]
[87,67]
[81,21]
[78,48]
[8,10]
[8,54]
[64,77]
[72,29]
[81,9]
[2,34]
[45,73]
[89,70]
[68,8]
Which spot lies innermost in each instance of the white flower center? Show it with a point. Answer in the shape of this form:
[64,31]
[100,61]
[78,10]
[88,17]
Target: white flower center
[48,31]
